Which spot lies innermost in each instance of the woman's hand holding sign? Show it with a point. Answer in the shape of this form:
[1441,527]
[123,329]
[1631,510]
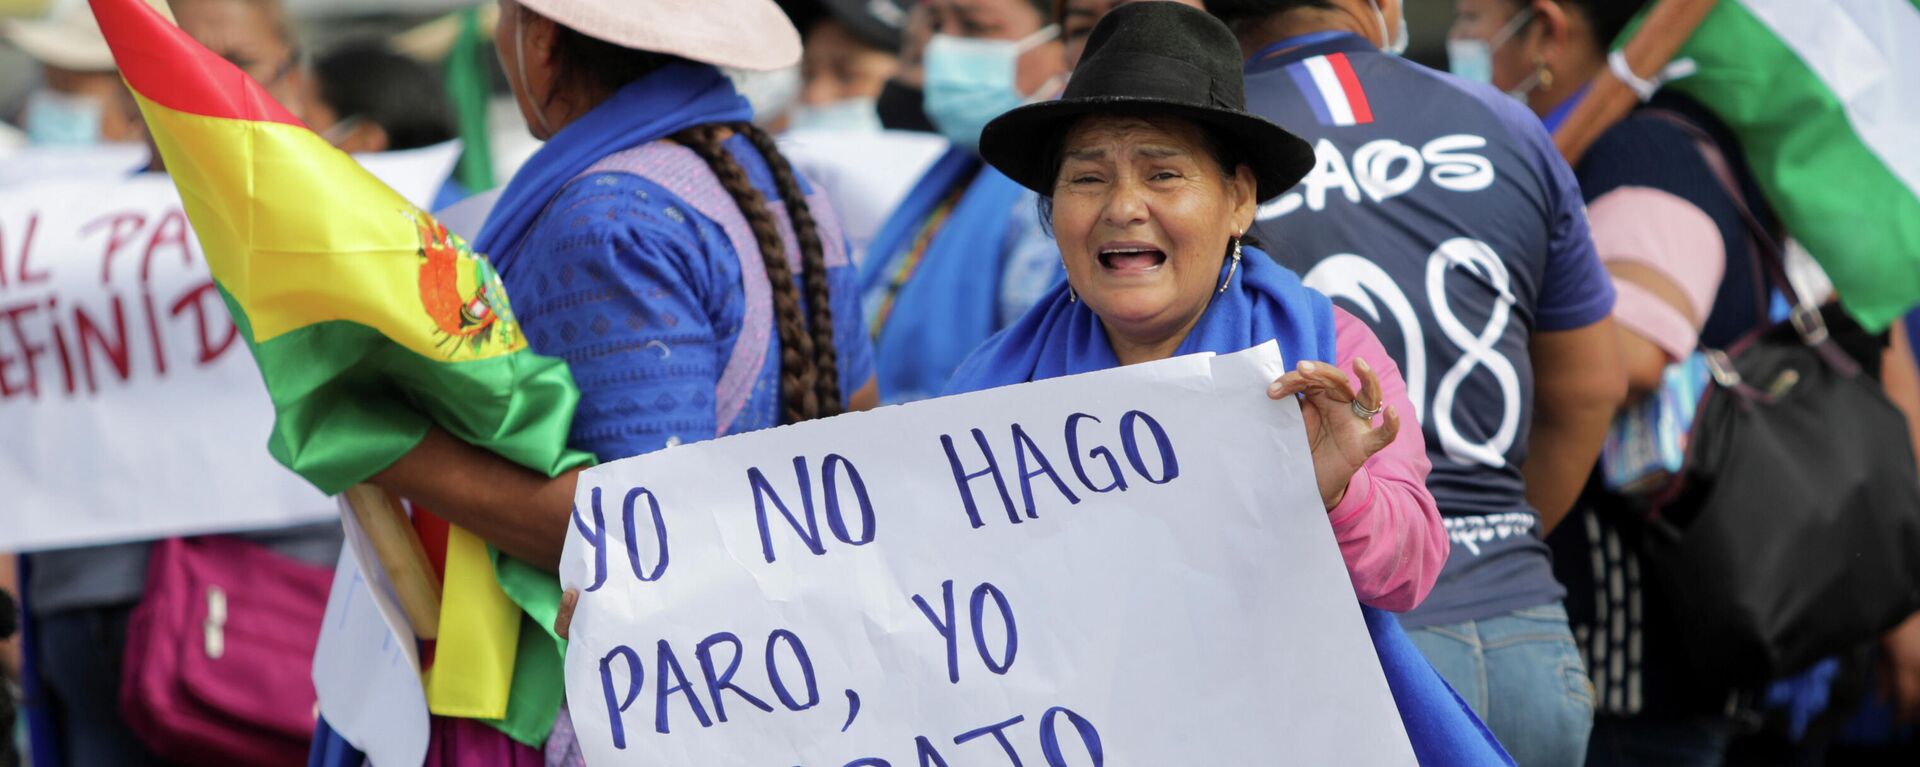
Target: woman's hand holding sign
[1340,427]
[564,619]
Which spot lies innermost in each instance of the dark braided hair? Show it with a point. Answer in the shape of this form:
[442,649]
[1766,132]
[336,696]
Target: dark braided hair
[813,268]
[809,386]
[809,366]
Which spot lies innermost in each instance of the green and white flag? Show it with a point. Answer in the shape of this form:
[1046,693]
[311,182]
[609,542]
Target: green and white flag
[1824,96]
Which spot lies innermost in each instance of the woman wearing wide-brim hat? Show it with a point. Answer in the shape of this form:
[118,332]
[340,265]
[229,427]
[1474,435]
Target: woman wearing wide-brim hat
[1150,170]
[659,243]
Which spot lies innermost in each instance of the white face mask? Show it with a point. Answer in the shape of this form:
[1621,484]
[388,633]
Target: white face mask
[1520,92]
[1391,44]
[1473,58]
[856,115]
[772,93]
[341,129]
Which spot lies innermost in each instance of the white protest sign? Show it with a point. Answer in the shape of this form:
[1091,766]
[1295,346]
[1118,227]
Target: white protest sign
[468,216]
[1131,567]
[129,406]
[365,666]
[59,163]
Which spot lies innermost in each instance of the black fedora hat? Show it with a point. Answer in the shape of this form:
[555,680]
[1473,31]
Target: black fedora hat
[1151,59]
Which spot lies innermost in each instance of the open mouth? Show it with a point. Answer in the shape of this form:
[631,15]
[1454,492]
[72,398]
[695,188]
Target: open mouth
[1132,259]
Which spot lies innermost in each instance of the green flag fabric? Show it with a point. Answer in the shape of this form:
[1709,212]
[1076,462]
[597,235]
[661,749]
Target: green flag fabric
[1824,96]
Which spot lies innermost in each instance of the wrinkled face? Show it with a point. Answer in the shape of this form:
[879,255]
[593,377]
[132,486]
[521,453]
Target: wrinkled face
[1514,57]
[1079,16]
[1144,215]
[837,66]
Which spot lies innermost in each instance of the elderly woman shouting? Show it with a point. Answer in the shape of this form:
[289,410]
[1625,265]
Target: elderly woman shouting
[1150,170]
[1150,176]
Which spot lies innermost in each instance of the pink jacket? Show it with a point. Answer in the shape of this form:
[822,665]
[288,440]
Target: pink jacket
[1388,525]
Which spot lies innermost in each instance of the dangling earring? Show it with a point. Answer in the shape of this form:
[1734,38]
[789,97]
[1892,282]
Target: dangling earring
[1231,267]
[1544,75]
[1072,297]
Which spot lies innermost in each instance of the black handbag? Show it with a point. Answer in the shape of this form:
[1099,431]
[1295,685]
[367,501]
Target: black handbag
[1792,530]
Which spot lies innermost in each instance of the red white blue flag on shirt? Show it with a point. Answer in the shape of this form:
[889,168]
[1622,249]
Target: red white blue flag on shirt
[1332,89]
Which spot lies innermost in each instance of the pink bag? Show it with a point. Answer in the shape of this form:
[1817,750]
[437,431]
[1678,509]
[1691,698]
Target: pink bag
[471,743]
[219,656]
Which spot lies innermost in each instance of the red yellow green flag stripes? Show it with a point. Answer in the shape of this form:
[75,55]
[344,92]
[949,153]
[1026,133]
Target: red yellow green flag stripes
[369,323]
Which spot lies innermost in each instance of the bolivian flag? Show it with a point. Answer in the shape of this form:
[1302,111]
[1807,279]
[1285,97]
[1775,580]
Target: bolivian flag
[369,322]
[1825,100]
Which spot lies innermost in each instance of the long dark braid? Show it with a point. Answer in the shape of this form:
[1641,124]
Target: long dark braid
[809,366]
[813,269]
[799,373]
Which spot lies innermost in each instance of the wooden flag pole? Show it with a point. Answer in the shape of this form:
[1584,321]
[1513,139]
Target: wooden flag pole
[402,557]
[1667,27]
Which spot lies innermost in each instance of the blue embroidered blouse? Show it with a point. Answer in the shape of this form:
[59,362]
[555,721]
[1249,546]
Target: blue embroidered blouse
[643,275]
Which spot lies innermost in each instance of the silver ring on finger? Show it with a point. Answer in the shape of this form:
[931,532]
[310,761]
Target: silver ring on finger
[1365,413]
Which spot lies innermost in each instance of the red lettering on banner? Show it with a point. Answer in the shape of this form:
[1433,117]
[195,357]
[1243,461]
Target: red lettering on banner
[196,299]
[172,230]
[24,274]
[60,343]
[91,338]
[122,228]
[153,332]
[27,275]
[27,351]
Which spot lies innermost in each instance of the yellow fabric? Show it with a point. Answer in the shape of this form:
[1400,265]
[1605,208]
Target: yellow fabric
[472,672]
[374,259]
[24,9]
[257,206]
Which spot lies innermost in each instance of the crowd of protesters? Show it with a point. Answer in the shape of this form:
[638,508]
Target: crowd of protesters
[944,196]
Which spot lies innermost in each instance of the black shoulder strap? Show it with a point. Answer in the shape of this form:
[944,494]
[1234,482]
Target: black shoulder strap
[1805,314]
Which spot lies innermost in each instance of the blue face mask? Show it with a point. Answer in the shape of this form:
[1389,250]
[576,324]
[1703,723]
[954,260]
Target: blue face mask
[58,119]
[1473,58]
[972,81]
[845,116]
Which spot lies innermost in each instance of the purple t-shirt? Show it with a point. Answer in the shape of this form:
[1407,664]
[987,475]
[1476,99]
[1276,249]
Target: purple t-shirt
[1442,216]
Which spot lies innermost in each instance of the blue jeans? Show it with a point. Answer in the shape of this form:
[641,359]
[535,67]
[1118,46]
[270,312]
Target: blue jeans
[1521,672]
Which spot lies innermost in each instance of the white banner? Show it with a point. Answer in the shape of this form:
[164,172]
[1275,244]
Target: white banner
[366,667]
[1131,567]
[129,406]
[104,162]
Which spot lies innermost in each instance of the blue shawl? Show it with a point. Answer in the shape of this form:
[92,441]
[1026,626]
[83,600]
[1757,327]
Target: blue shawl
[1062,337]
[951,302]
[675,97]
